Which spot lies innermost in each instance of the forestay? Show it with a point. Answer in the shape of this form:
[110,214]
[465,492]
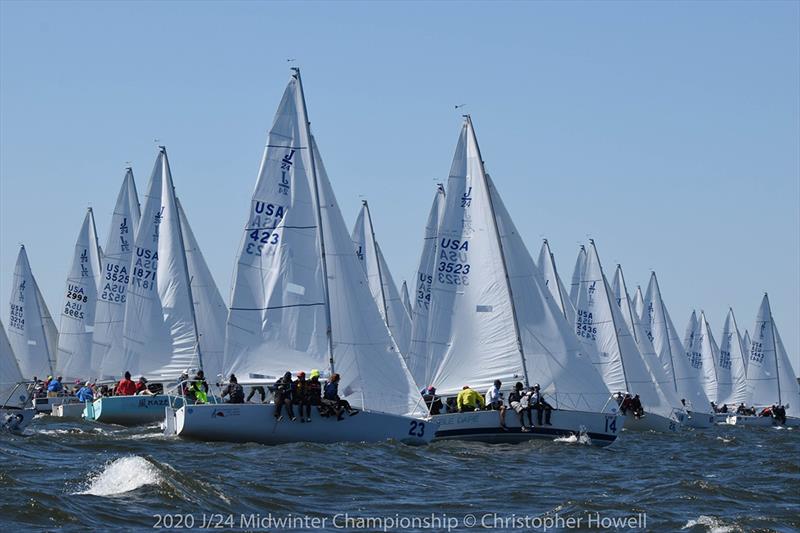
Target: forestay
[617,357]
[381,284]
[32,332]
[669,348]
[710,354]
[10,373]
[419,363]
[279,313]
[731,374]
[78,310]
[114,279]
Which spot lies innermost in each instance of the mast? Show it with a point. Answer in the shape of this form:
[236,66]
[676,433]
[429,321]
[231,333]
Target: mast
[555,273]
[378,261]
[613,321]
[307,126]
[175,205]
[502,252]
[775,346]
[666,326]
[630,311]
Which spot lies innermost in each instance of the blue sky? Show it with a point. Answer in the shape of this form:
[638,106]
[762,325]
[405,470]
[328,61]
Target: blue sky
[667,131]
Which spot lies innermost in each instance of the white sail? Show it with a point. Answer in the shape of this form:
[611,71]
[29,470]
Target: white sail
[112,290]
[490,316]
[710,354]
[746,342]
[618,358]
[620,292]
[577,276]
[692,345]
[381,284]
[286,313]
[419,364]
[78,310]
[547,267]
[159,333]
[731,373]
[10,373]
[661,331]
[406,301]
[769,374]
[638,304]
[31,330]
[209,307]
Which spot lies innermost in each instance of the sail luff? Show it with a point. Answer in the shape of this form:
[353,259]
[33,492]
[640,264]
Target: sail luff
[377,264]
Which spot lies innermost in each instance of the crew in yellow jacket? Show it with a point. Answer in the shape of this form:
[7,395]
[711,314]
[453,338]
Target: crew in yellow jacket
[469,400]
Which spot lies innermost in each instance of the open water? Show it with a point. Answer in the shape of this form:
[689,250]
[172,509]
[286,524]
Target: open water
[79,476]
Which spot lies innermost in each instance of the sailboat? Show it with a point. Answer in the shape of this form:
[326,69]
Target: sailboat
[74,359]
[161,334]
[418,364]
[709,353]
[549,272]
[381,283]
[731,372]
[301,301]
[112,291]
[32,332]
[15,413]
[617,355]
[406,301]
[770,377]
[700,369]
[491,318]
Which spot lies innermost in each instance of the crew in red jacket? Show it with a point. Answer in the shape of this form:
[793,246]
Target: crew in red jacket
[126,387]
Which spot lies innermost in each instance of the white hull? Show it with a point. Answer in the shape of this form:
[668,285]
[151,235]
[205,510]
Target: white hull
[256,423]
[484,426]
[651,422]
[45,405]
[16,420]
[699,420]
[68,410]
[750,421]
[129,410]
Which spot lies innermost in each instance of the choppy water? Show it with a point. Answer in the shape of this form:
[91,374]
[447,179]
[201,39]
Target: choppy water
[77,476]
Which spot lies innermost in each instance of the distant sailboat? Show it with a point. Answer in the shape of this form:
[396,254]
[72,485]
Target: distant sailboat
[300,301]
[32,332]
[112,292]
[709,351]
[547,267]
[731,371]
[491,318]
[381,284]
[406,300]
[74,359]
[617,357]
[14,415]
[418,362]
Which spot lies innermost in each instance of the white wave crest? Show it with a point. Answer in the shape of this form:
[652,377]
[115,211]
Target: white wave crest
[583,438]
[714,525]
[122,475]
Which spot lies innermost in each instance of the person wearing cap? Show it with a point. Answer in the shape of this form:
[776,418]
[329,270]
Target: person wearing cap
[636,406]
[313,392]
[540,404]
[300,396]
[233,390]
[126,387]
[520,402]
[283,397]
[469,400]
[333,401]
[85,393]
[433,402]
[494,402]
[141,387]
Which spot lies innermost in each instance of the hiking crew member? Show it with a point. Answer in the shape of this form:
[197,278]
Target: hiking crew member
[494,401]
[283,396]
[54,387]
[332,400]
[233,390]
[300,396]
[540,404]
[141,386]
[313,392]
[85,393]
[636,405]
[520,402]
[469,400]
[126,387]
[626,404]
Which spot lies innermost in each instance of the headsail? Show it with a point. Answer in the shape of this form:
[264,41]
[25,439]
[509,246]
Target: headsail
[746,342]
[419,363]
[638,304]
[115,276]
[577,276]
[10,373]
[406,300]
[381,284]
[710,354]
[617,357]
[31,331]
[78,311]
[731,374]
[547,267]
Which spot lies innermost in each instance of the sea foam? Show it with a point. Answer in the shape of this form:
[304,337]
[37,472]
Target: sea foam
[123,475]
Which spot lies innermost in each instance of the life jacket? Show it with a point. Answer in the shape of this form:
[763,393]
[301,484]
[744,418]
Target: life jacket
[199,394]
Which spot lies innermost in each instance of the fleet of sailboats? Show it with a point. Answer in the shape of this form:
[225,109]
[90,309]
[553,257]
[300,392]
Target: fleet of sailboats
[309,295]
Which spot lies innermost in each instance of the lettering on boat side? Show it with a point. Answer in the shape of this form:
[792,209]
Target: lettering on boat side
[153,402]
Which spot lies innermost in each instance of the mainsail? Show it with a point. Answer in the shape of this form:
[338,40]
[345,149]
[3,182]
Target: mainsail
[381,284]
[547,267]
[710,354]
[300,297]
[617,358]
[32,332]
[78,311]
[418,362]
[731,373]
[112,290]
[10,373]
[661,331]
[490,316]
